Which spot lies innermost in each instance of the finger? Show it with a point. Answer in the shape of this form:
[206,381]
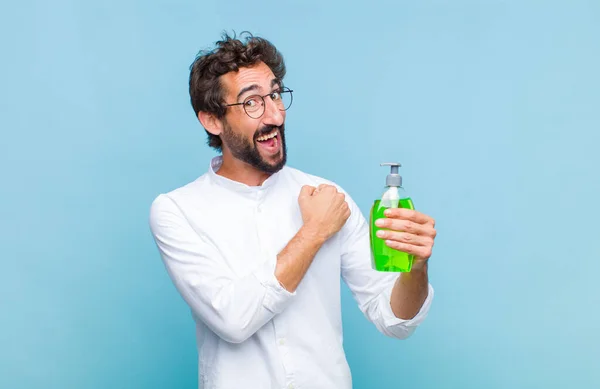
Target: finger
[405,237]
[346,214]
[421,252]
[319,188]
[346,207]
[404,225]
[324,188]
[410,214]
[307,190]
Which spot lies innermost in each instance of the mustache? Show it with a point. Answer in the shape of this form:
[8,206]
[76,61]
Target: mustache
[268,129]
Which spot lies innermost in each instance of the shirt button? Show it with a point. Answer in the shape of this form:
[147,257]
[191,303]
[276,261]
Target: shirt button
[291,386]
[282,341]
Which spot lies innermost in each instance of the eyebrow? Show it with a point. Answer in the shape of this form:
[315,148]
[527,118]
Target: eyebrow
[252,87]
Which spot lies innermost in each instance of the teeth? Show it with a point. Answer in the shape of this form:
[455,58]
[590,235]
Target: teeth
[267,137]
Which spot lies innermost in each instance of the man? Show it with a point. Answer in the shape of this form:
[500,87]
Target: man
[257,248]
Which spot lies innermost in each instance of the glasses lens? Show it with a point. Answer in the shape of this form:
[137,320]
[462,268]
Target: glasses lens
[286,99]
[254,106]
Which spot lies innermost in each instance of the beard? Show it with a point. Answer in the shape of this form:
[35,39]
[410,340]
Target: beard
[245,150]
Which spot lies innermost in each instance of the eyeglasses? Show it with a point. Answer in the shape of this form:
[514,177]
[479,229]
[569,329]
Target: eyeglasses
[254,105]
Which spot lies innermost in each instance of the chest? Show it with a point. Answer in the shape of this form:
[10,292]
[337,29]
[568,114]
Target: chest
[249,233]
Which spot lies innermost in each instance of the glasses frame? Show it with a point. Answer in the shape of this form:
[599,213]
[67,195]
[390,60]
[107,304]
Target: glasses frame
[281,91]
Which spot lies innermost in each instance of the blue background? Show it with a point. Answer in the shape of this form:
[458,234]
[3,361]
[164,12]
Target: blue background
[492,107]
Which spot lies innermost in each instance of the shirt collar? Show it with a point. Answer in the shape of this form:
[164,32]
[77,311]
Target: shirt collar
[236,186]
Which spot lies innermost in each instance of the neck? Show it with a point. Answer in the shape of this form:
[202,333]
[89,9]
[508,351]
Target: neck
[240,171]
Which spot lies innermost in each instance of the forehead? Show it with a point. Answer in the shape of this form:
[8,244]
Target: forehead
[259,75]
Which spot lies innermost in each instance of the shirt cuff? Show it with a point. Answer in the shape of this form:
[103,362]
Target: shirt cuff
[276,296]
[390,320]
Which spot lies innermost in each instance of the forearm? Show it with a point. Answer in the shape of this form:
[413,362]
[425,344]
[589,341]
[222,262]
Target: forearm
[295,259]
[234,309]
[409,293]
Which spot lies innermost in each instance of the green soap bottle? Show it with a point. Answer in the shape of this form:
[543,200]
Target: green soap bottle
[383,257]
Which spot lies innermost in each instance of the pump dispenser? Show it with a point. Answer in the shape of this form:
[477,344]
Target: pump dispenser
[385,258]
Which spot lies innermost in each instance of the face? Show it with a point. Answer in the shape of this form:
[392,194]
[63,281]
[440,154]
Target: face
[258,142]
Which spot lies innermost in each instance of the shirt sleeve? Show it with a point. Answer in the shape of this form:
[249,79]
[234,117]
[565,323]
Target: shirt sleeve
[370,288]
[233,308]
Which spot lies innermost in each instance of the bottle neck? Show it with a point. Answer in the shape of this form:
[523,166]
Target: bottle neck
[395,191]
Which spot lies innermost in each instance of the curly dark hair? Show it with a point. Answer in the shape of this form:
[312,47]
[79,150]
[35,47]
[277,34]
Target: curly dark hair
[230,54]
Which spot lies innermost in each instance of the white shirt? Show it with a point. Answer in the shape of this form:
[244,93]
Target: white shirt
[219,241]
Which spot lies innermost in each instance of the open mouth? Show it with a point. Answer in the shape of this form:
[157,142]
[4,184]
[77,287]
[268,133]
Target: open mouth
[269,142]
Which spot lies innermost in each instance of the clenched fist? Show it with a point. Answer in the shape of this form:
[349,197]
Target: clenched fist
[324,209]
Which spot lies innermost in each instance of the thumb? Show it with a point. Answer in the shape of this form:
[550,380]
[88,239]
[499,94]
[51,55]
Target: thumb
[306,191]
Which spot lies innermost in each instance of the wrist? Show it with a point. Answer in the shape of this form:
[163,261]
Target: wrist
[417,273]
[313,233]
[419,266]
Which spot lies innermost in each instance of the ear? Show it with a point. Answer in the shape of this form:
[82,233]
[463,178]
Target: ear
[210,123]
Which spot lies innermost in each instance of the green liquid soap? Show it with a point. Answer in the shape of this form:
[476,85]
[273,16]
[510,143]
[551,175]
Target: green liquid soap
[386,258]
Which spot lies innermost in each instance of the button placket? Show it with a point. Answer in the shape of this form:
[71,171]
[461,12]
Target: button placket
[282,343]
[262,222]
[265,228]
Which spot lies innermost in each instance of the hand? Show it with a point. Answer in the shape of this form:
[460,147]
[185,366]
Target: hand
[409,231]
[324,209]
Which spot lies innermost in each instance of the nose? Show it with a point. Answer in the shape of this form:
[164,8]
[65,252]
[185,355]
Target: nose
[273,115]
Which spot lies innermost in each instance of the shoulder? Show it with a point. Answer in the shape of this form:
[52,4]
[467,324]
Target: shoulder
[304,178]
[172,203]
